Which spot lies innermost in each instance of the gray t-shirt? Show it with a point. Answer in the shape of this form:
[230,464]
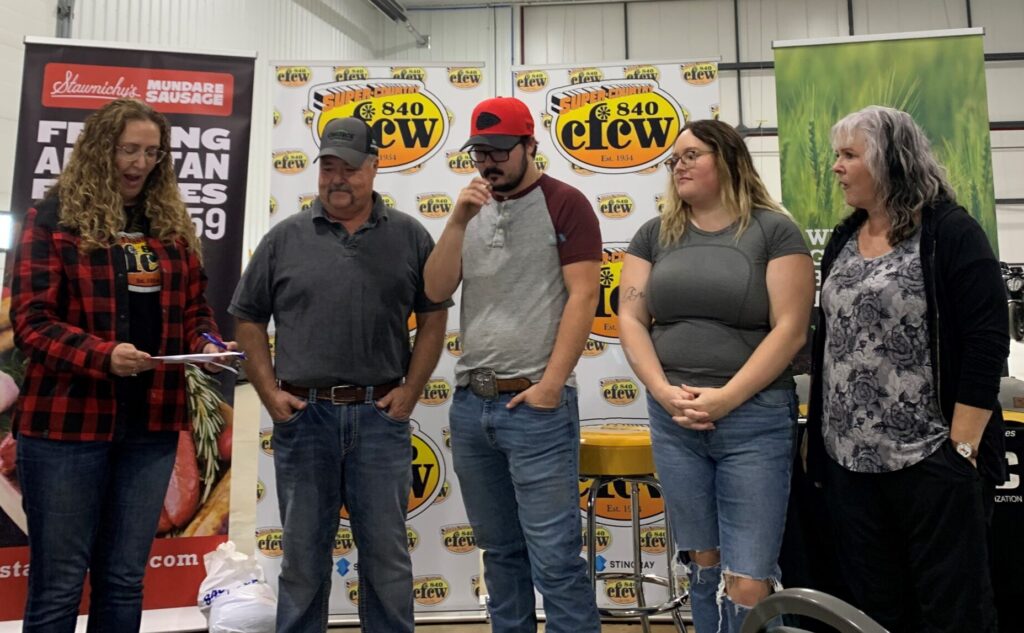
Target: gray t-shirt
[708,295]
[513,292]
[340,302]
[880,412]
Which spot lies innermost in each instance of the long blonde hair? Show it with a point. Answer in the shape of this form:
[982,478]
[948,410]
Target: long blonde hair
[90,191]
[740,187]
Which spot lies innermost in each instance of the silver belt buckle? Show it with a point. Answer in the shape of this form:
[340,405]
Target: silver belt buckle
[335,399]
[484,383]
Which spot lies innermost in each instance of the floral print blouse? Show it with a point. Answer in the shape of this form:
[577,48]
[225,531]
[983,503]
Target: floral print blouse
[880,410]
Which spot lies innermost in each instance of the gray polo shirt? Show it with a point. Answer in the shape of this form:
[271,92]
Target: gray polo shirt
[513,292]
[340,302]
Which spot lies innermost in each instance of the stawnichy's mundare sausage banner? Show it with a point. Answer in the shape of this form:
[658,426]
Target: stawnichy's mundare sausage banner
[208,100]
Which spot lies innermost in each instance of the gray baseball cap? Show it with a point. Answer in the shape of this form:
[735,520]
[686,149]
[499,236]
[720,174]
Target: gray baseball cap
[349,139]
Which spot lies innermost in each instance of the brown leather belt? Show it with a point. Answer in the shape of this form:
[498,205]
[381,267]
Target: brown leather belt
[340,394]
[512,385]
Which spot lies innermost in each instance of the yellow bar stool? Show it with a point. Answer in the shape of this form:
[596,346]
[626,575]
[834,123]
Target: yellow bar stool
[622,452]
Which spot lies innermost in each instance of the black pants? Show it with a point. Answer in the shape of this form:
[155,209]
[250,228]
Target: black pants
[912,544]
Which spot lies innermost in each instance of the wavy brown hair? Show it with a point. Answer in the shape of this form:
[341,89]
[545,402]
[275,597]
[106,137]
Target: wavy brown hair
[89,186]
[899,158]
[740,187]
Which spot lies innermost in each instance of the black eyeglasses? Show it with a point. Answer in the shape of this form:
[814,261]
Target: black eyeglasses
[496,155]
[687,158]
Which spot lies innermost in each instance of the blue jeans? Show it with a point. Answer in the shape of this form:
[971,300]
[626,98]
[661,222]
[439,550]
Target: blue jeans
[728,489]
[518,471]
[325,456]
[95,506]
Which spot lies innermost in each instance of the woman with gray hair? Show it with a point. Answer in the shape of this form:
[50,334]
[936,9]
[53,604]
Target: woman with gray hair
[904,424]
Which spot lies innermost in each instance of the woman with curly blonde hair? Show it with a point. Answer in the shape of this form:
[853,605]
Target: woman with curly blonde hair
[107,274]
[715,298]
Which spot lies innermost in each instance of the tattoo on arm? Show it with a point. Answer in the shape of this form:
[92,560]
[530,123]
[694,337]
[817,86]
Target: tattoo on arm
[631,293]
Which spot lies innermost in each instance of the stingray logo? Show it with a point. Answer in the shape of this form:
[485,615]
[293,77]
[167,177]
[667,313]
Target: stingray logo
[436,392]
[642,72]
[351,73]
[352,591]
[267,440]
[269,541]
[344,542]
[585,75]
[465,77]
[294,76]
[616,126]
[460,162]
[652,539]
[602,538]
[430,590]
[699,73]
[453,343]
[531,80]
[615,206]
[593,348]
[606,319]
[458,539]
[434,205]
[619,391]
[290,161]
[409,123]
[412,538]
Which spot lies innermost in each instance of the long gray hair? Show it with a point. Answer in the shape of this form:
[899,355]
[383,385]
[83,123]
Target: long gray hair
[899,158]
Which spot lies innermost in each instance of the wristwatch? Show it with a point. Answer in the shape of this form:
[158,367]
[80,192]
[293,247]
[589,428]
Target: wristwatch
[966,450]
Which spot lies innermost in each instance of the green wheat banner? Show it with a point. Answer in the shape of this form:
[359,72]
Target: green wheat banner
[936,76]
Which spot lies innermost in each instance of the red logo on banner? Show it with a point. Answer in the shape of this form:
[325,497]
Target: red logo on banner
[88,87]
[173,574]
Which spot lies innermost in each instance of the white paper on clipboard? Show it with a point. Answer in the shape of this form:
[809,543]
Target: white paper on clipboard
[219,357]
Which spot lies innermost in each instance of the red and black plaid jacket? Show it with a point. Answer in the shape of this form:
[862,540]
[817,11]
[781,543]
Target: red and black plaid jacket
[70,310]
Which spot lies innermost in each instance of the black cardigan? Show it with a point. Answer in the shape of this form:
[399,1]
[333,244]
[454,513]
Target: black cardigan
[967,324]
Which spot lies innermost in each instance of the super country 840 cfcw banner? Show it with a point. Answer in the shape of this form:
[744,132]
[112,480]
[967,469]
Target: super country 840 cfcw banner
[607,129]
[420,116]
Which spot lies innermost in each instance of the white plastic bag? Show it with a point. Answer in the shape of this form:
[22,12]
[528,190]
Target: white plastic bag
[234,596]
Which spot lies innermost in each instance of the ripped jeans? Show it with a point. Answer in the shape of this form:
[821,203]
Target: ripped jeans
[728,489]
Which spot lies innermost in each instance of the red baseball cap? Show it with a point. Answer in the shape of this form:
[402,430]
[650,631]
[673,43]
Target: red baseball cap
[500,123]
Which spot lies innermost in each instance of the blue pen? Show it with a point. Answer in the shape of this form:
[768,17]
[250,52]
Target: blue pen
[219,343]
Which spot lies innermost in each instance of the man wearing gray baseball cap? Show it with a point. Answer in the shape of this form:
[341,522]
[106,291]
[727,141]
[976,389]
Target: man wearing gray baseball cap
[341,280]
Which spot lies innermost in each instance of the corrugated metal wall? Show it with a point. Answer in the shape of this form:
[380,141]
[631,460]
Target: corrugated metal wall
[340,30]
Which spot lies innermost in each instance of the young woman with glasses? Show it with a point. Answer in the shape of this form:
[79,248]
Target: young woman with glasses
[714,303]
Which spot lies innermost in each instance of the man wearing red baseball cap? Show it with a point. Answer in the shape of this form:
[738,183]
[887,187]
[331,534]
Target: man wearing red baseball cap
[527,250]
